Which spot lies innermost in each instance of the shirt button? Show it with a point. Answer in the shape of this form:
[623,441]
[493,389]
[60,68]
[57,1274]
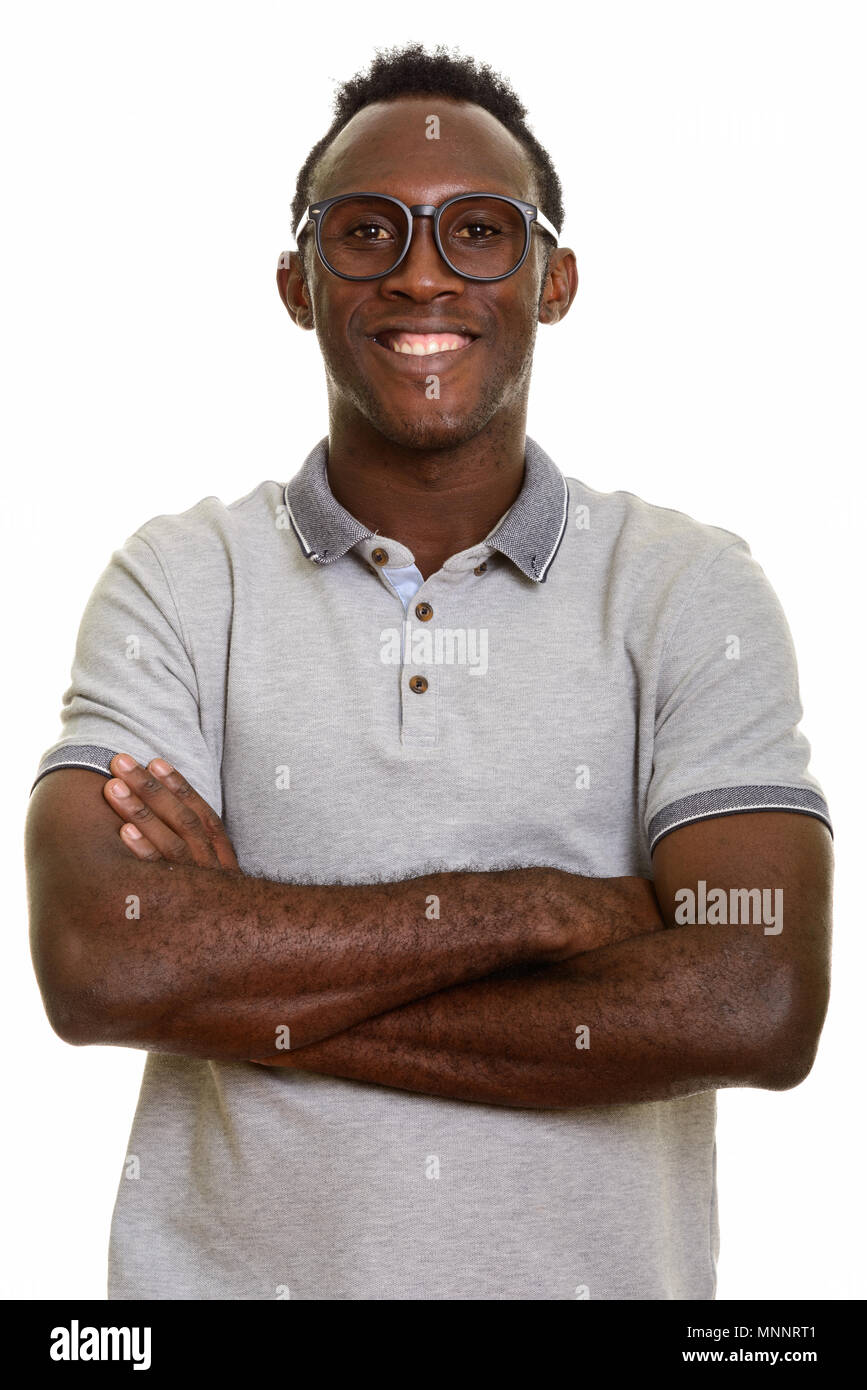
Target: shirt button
[423,612]
[480,569]
[380,556]
[418,684]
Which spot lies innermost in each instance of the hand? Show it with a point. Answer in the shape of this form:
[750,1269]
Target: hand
[173,821]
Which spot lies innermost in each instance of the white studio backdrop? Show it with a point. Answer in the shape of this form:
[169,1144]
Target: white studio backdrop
[712,162]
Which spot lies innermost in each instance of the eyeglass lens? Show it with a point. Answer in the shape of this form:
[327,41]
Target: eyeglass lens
[481,237]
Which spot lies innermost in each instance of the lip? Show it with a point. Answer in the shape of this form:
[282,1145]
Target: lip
[428,327]
[418,364]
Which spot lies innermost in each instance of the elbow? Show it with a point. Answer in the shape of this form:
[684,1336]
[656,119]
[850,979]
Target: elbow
[791,1040]
[69,1018]
[68,1007]
[71,999]
[788,1064]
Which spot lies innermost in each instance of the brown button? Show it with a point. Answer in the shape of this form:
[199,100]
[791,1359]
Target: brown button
[380,556]
[418,684]
[480,569]
[423,612]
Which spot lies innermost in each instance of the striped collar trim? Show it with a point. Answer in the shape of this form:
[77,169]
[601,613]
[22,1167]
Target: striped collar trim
[529,534]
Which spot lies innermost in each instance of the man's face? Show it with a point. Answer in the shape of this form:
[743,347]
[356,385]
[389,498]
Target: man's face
[420,401]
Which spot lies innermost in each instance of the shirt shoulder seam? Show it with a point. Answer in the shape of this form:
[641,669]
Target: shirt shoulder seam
[690,594]
[173,594]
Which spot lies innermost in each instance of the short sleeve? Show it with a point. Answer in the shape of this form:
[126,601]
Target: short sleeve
[134,687]
[726,735]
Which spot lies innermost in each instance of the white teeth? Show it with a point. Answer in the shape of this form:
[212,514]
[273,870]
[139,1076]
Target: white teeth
[419,349]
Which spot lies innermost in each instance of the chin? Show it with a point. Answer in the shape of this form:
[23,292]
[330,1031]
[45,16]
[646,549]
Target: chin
[441,430]
[428,434]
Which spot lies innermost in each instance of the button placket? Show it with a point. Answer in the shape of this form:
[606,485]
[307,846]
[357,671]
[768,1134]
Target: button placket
[419,684]
[404,581]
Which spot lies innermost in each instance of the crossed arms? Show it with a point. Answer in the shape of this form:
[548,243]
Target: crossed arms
[531,987]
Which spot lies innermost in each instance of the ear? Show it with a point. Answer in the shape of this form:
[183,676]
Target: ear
[561,285]
[292,288]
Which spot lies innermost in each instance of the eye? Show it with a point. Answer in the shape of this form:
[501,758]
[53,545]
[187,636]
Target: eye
[369,231]
[477,230]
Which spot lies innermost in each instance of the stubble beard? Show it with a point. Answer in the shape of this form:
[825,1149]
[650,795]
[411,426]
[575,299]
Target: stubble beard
[434,426]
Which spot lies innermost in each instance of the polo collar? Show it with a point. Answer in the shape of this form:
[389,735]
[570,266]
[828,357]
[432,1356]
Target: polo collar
[529,534]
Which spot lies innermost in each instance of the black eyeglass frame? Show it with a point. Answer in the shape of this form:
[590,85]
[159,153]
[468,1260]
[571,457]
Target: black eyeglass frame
[530,213]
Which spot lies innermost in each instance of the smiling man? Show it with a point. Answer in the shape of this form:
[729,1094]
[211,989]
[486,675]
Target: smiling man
[430,749]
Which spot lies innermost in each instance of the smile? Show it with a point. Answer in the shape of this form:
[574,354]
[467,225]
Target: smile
[422,344]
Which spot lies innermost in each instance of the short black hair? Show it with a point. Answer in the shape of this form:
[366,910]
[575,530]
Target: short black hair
[411,71]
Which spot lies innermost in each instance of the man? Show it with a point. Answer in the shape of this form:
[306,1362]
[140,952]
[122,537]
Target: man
[469,843]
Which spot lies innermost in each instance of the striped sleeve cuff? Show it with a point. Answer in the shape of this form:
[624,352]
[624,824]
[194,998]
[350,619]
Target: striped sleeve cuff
[88,755]
[729,801]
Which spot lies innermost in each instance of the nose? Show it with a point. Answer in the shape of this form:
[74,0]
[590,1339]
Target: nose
[423,273]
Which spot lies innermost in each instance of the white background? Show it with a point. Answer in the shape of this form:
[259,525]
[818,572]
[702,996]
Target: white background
[712,157]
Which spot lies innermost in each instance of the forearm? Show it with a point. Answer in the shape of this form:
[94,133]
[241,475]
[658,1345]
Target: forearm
[666,1015]
[216,966]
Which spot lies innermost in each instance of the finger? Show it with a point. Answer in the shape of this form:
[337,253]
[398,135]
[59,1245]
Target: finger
[138,843]
[133,811]
[188,796]
[175,830]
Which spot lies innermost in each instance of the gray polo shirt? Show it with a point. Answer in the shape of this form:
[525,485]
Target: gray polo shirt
[595,673]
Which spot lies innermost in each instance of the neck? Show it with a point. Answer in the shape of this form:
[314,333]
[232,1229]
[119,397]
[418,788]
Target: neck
[436,502]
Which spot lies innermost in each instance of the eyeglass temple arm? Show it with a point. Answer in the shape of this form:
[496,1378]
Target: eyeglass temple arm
[542,221]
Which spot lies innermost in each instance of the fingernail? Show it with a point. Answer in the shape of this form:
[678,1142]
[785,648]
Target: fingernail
[160,767]
[125,762]
[119,789]
[131,832]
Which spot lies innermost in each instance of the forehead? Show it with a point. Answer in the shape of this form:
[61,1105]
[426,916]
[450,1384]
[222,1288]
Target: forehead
[385,149]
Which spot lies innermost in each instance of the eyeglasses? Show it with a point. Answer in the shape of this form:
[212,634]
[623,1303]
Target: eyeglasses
[480,236]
